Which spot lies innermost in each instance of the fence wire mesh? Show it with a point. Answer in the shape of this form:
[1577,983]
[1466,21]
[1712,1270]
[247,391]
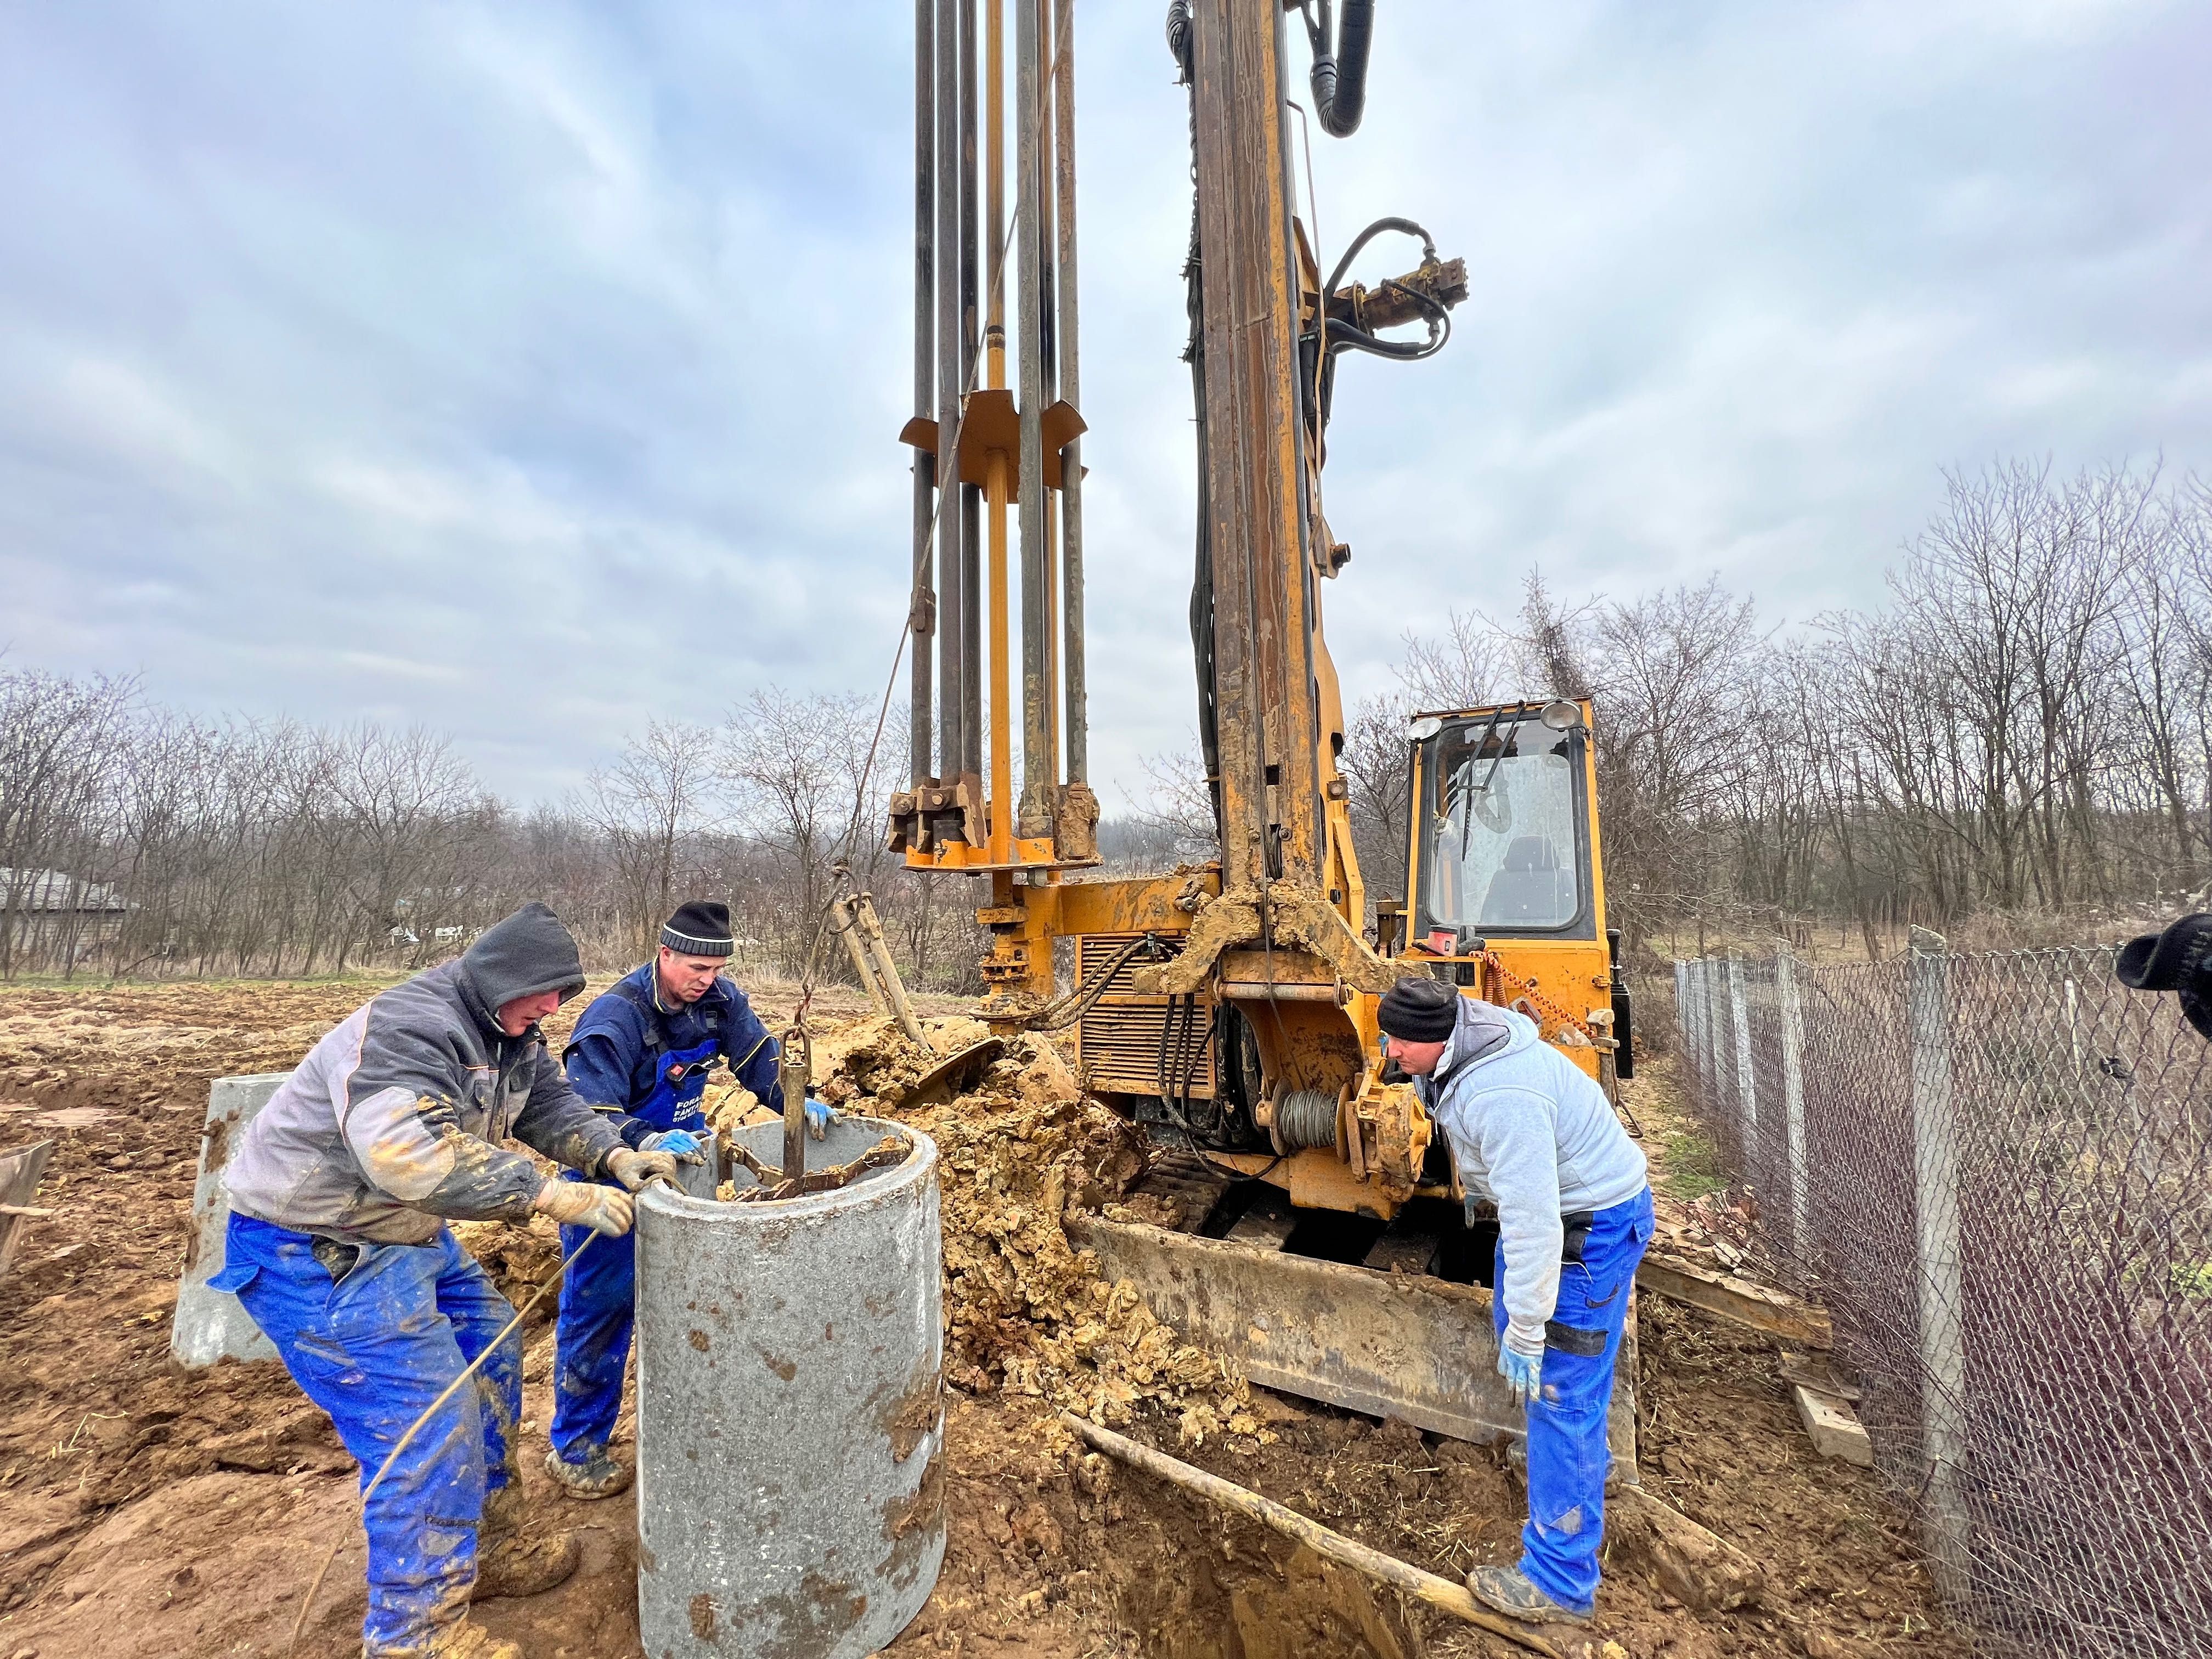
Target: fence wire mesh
[1996,1172]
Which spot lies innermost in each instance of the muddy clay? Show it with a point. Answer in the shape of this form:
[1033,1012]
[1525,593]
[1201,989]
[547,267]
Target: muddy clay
[148,1511]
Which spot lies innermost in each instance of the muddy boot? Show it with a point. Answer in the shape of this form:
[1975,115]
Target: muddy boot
[464,1638]
[600,1476]
[1508,1591]
[514,1560]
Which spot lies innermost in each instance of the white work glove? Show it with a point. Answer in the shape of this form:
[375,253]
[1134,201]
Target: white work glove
[586,1204]
[634,1169]
[1524,1376]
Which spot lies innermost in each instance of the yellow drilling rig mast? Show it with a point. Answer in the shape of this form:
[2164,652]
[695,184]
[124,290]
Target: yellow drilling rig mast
[1228,1008]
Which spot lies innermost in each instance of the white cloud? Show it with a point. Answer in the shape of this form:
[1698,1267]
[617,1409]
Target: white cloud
[487,364]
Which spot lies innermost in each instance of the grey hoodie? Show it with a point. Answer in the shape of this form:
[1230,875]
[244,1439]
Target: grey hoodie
[392,1122]
[1530,1131]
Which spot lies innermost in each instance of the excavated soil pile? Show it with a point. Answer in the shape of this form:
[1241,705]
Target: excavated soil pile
[1025,1314]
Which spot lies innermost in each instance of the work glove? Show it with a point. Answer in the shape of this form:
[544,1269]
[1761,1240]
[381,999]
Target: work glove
[634,1169]
[586,1204]
[1522,1373]
[683,1142]
[819,1116]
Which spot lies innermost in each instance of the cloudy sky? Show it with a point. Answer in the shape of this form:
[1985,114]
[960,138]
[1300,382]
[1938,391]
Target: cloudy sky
[533,370]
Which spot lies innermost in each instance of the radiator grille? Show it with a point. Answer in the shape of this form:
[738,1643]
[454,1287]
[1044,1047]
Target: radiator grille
[1118,1040]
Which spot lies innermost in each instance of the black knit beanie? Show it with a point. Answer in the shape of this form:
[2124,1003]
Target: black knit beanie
[1418,1009]
[701,928]
[2179,959]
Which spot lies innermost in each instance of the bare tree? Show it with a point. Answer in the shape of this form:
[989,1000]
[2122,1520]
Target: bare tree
[798,768]
[1461,669]
[647,807]
[1377,763]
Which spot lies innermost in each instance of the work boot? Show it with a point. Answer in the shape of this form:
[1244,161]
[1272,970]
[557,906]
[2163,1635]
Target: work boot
[1508,1591]
[513,1562]
[464,1638]
[597,1476]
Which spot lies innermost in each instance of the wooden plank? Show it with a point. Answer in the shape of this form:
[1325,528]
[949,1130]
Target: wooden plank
[20,1171]
[1817,1373]
[1834,1427]
[1268,1224]
[1762,1309]
[1435,1591]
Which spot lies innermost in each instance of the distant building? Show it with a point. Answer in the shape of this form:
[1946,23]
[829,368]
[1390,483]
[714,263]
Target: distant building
[53,912]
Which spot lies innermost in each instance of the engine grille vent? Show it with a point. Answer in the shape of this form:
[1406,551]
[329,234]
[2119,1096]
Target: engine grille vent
[1119,1040]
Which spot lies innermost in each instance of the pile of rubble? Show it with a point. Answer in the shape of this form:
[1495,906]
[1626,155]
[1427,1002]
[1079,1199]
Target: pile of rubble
[1024,1312]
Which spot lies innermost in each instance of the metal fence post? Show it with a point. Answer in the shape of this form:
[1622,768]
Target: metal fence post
[1793,1095]
[1682,1010]
[1687,978]
[1708,1050]
[1746,1090]
[1942,1308]
[1693,1027]
[1712,1034]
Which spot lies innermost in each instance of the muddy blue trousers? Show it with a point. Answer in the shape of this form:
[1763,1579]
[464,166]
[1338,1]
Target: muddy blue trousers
[599,1304]
[1567,1451]
[374,1349]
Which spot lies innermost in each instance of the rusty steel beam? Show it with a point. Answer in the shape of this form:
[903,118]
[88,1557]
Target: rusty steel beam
[1034,817]
[1264,607]
[1078,716]
[922,611]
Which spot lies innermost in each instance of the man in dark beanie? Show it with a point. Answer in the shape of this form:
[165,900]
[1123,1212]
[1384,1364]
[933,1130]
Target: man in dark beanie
[1533,1135]
[641,1054]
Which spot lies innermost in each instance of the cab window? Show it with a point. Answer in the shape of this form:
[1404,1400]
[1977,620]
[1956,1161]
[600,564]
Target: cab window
[1501,849]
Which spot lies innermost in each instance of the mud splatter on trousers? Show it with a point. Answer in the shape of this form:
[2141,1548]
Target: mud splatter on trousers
[373,1341]
[1567,1452]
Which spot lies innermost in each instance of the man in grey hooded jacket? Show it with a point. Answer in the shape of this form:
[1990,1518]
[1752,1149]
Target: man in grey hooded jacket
[1532,1134]
[337,1247]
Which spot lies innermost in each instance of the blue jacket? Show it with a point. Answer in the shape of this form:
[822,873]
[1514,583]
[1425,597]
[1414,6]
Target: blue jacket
[1530,1131]
[645,1063]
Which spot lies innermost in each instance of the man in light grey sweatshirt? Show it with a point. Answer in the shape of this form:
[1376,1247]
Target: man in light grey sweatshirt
[1531,1133]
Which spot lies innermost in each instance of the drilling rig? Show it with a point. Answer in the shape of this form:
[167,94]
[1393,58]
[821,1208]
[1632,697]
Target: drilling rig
[1227,1008]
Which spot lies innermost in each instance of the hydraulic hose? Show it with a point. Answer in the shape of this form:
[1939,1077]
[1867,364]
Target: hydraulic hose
[1339,70]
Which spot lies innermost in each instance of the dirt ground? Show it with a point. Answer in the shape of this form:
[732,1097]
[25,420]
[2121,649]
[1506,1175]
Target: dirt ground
[145,1511]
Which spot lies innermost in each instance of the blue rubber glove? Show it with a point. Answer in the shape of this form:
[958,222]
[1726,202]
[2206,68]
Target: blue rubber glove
[1524,1375]
[682,1142]
[819,1117]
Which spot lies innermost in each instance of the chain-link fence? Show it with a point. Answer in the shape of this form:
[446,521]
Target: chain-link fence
[1996,1172]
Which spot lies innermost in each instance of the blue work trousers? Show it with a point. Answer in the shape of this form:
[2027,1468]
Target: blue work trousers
[1567,1452]
[591,1337]
[591,1342]
[374,1349]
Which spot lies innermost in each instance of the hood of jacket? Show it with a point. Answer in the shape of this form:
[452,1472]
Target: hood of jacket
[1484,1033]
[528,952]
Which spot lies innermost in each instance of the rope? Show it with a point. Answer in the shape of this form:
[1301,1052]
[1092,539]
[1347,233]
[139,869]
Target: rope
[1559,1015]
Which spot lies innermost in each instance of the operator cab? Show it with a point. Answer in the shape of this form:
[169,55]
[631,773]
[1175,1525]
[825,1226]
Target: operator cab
[1502,826]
